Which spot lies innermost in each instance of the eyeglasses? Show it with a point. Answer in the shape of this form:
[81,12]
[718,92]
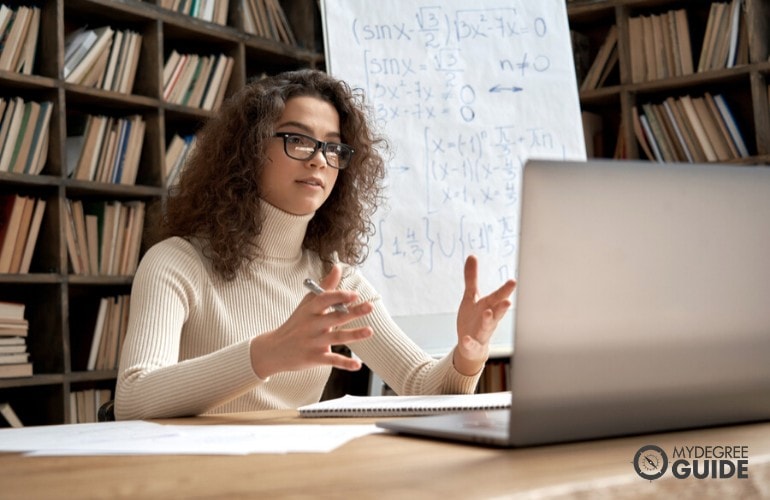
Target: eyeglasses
[302,147]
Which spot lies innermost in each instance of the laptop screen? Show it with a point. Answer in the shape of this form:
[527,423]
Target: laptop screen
[643,298]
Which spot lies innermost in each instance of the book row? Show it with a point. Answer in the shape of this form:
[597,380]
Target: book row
[177,152]
[104,238]
[109,332]
[102,57]
[661,45]
[196,80]
[495,377]
[19,29]
[725,43]
[20,221]
[214,11]
[266,18]
[689,129]
[84,405]
[108,150]
[24,134]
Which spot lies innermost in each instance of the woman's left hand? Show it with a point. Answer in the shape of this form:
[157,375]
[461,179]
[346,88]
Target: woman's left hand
[477,319]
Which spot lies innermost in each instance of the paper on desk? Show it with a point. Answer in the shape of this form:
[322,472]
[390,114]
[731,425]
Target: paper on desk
[146,438]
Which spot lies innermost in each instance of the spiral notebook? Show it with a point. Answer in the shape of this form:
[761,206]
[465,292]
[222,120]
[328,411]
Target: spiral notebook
[402,406]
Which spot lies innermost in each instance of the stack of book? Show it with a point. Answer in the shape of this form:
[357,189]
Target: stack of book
[266,18]
[196,80]
[103,58]
[176,154]
[109,332]
[18,38]
[689,129]
[104,238]
[24,135]
[20,220]
[14,358]
[214,11]
[108,150]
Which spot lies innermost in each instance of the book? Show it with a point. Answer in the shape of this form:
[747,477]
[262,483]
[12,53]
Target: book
[736,7]
[21,237]
[16,35]
[39,145]
[13,342]
[73,249]
[721,126]
[130,63]
[650,138]
[10,416]
[108,77]
[13,358]
[731,125]
[26,133]
[756,14]
[683,43]
[14,328]
[603,59]
[29,48]
[717,141]
[16,370]
[10,133]
[697,126]
[16,348]
[97,336]
[12,225]
[640,135]
[392,406]
[12,310]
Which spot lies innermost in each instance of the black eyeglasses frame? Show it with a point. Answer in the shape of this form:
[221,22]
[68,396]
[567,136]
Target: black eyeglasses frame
[322,145]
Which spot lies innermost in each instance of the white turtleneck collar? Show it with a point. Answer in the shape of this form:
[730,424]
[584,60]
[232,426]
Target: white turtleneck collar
[282,233]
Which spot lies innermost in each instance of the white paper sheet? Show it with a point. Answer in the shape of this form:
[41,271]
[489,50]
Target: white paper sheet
[146,438]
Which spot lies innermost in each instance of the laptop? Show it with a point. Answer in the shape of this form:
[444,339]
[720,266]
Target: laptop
[642,305]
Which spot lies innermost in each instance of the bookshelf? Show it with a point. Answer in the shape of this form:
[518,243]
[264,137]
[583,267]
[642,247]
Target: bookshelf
[744,87]
[62,306]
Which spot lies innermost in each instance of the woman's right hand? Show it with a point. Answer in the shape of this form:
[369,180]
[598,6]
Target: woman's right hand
[306,338]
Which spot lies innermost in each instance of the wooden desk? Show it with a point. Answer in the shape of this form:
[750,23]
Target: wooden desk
[388,466]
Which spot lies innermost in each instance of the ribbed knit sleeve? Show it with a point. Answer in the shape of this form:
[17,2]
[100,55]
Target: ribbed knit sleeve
[155,380]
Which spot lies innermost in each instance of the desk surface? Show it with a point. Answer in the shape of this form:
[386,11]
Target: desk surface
[389,466]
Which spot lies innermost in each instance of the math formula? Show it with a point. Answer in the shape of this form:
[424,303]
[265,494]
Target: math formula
[465,95]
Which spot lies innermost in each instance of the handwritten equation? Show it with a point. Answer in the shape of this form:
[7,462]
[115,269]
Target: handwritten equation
[465,96]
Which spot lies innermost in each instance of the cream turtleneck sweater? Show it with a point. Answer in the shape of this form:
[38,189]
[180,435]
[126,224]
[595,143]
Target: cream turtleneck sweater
[186,351]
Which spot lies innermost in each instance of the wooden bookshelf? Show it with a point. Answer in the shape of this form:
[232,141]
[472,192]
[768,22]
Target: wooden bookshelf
[744,86]
[62,306]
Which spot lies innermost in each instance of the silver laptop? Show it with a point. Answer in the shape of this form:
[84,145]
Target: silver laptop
[643,305]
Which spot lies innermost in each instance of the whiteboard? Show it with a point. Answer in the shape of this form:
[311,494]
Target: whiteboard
[465,93]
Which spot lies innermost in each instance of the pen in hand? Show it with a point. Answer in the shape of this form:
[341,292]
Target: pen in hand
[316,289]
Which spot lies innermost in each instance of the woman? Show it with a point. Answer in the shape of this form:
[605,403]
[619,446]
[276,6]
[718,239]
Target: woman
[280,187]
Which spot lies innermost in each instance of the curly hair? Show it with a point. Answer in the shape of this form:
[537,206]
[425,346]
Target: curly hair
[217,198]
